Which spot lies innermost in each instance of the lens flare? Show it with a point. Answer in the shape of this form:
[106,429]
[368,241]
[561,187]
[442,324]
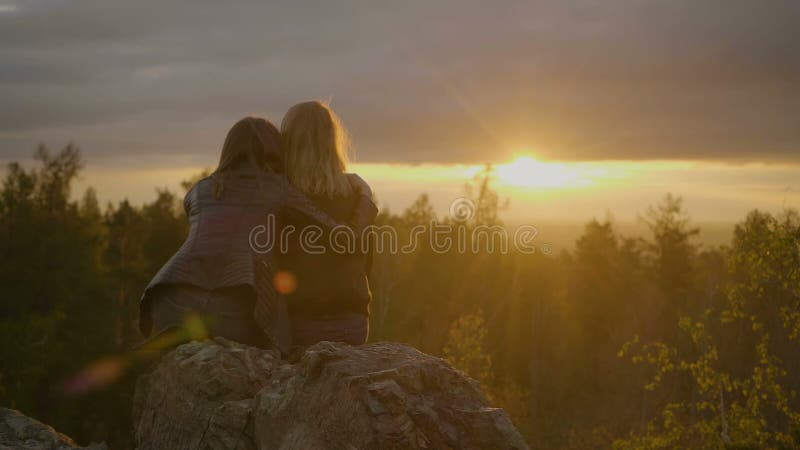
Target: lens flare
[285,282]
[96,375]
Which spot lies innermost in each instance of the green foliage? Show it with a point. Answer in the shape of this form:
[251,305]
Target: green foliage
[744,395]
[553,328]
[465,347]
[70,289]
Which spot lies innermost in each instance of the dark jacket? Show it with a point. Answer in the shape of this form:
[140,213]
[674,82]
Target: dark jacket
[332,282]
[218,253]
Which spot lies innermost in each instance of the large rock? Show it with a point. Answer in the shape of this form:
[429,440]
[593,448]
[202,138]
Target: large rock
[222,395]
[20,432]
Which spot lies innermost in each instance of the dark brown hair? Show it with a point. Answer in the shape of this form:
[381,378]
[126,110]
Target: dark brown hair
[251,142]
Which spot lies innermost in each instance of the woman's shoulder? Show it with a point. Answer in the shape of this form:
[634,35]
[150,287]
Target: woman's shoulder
[358,186]
[203,184]
[195,192]
[239,179]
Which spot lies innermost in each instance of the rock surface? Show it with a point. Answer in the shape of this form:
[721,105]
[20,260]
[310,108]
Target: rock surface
[20,432]
[222,395]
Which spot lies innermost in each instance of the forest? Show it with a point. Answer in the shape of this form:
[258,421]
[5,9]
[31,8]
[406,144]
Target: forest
[621,342]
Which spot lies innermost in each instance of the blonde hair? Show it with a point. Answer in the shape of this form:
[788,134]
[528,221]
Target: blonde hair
[315,150]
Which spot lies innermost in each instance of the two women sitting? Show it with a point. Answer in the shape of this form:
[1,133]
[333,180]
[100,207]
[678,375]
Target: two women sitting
[282,297]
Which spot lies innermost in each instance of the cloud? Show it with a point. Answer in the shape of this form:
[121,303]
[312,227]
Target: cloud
[462,81]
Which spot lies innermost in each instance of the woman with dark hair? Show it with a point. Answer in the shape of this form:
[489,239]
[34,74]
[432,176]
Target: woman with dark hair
[217,284]
[332,296]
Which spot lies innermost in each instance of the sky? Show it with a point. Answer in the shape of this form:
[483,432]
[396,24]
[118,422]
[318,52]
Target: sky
[696,97]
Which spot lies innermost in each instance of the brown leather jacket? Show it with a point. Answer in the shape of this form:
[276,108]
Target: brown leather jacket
[218,253]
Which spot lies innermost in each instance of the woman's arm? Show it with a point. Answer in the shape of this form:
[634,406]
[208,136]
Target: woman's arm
[363,215]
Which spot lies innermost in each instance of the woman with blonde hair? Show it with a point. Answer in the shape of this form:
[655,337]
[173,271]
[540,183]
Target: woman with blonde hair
[217,276]
[330,301]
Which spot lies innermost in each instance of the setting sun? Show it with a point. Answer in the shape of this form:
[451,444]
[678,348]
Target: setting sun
[525,171]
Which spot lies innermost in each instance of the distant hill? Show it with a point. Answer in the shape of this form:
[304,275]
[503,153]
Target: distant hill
[561,235]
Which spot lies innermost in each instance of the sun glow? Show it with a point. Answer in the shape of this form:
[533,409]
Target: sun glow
[527,172]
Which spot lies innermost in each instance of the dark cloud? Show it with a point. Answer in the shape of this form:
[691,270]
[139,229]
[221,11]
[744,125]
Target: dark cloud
[415,81]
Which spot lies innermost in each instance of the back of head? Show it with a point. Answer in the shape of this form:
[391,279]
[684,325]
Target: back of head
[252,143]
[315,150]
